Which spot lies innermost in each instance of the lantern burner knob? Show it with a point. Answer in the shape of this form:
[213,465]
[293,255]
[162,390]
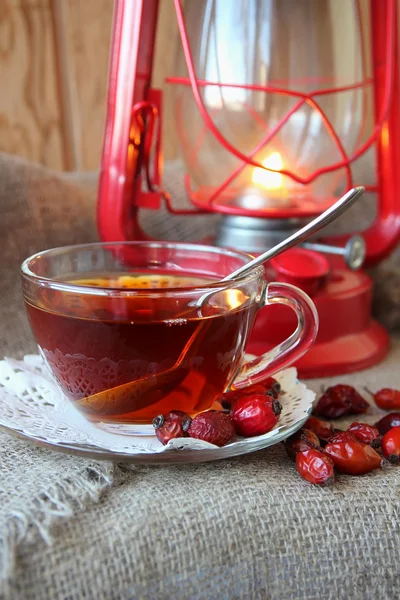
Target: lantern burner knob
[353,252]
[255,235]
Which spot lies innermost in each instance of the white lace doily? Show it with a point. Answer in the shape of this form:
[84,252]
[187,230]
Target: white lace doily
[32,406]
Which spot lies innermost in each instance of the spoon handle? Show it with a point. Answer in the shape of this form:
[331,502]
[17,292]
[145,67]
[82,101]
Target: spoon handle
[332,213]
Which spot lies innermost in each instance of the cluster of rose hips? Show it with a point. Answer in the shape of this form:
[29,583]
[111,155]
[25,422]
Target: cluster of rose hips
[250,412]
[319,449]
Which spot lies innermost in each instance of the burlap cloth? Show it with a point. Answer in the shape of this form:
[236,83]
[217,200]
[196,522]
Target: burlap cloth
[243,528]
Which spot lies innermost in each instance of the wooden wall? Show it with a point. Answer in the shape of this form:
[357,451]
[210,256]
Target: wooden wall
[53,75]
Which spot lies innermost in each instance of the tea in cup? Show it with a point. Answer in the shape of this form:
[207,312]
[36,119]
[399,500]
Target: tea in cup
[121,328]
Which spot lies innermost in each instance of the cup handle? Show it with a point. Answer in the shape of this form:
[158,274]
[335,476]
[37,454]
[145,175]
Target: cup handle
[293,347]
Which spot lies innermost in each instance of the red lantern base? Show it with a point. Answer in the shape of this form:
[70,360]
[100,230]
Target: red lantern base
[348,339]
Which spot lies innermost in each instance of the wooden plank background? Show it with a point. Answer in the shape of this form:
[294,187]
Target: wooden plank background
[53,77]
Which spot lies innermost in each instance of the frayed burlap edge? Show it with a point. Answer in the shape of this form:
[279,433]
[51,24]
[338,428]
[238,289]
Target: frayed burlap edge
[61,500]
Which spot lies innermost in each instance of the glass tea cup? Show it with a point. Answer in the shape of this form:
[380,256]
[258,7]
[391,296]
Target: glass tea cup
[120,328]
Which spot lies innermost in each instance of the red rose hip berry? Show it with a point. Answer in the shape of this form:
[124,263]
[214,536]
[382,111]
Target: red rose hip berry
[340,400]
[391,445]
[342,436]
[174,424]
[387,398]
[365,433]
[353,457]
[212,426]
[303,440]
[229,398]
[273,385]
[255,415]
[387,422]
[300,441]
[315,467]
[323,429]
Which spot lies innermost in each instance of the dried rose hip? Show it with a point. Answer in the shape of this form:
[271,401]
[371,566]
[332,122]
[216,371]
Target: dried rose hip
[333,404]
[265,387]
[353,457]
[314,466]
[255,415]
[323,429]
[342,436]
[300,441]
[174,424]
[229,398]
[340,400]
[272,384]
[391,445]
[212,426]
[359,405]
[365,433]
[387,398]
[387,422]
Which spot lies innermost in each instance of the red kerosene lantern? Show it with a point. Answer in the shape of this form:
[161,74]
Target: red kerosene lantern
[280,106]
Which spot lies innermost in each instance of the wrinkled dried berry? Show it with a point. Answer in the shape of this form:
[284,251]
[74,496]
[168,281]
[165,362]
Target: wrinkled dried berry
[300,441]
[359,405]
[212,426]
[340,400]
[365,433]
[174,424]
[342,436]
[332,404]
[314,466]
[255,415]
[323,429]
[387,422]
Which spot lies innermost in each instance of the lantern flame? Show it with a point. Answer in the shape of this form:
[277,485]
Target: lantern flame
[268,179]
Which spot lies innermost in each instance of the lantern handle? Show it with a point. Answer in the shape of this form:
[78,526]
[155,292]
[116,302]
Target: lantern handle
[382,236]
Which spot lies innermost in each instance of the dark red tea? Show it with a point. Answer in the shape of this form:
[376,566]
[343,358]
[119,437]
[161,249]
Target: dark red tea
[94,343]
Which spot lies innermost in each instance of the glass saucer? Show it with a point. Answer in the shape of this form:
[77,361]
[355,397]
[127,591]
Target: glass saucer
[33,408]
